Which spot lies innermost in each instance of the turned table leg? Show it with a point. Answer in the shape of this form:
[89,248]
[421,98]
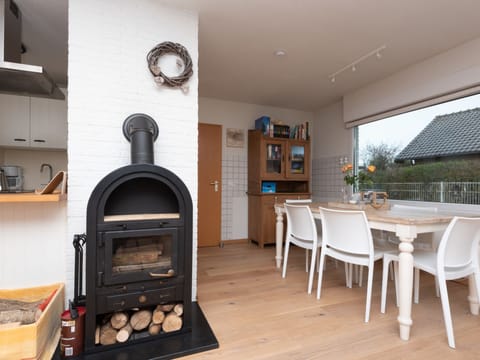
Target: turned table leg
[405,277]
[278,236]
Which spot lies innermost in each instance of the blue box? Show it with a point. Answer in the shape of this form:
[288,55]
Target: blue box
[269,186]
[263,124]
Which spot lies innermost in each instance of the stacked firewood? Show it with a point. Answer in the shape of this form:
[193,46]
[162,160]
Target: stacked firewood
[123,325]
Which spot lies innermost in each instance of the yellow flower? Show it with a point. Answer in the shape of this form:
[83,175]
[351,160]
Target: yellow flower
[371,168]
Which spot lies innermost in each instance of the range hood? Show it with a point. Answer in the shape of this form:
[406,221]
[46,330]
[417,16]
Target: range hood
[15,77]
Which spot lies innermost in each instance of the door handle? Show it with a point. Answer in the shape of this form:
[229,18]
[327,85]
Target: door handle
[215,184]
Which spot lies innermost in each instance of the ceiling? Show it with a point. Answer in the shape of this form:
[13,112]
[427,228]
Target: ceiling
[237,41]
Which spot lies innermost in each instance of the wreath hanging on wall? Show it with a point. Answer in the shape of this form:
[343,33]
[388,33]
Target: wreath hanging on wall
[183,60]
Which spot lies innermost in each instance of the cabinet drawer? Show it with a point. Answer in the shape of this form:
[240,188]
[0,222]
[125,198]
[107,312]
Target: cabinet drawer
[108,303]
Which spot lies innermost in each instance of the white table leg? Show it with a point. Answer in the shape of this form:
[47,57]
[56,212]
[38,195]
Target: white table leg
[405,279]
[473,296]
[278,237]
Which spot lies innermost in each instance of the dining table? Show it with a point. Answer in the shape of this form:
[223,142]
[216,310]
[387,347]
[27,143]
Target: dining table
[406,224]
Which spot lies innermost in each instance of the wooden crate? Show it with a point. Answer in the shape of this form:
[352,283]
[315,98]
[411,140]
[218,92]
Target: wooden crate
[37,340]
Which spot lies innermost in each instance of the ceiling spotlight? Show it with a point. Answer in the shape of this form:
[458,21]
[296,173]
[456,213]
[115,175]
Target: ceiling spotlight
[280,53]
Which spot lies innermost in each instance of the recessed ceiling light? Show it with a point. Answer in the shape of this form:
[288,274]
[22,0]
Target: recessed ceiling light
[280,52]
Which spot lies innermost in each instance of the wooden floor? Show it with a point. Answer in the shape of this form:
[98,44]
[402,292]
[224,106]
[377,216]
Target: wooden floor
[256,314]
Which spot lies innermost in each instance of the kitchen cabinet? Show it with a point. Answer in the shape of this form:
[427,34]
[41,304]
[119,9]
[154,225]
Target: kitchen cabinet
[33,122]
[48,123]
[14,120]
[278,169]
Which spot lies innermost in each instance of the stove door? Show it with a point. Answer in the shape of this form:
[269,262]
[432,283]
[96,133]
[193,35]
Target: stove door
[138,255]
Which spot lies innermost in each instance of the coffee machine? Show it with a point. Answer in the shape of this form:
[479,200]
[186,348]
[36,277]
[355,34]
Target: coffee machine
[12,178]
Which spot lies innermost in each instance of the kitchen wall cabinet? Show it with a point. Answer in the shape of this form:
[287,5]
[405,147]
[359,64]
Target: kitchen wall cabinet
[278,169]
[48,123]
[14,120]
[33,122]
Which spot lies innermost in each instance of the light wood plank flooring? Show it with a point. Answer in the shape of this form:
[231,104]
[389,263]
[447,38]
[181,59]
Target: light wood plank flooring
[256,314]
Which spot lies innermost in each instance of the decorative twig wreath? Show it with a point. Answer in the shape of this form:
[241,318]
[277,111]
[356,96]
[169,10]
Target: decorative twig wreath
[169,47]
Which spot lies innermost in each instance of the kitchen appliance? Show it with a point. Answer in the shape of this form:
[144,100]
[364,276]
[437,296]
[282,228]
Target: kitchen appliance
[15,77]
[14,178]
[3,181]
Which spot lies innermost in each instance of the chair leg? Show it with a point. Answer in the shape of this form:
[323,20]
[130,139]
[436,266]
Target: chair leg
[285,258]
[369,292]
[312,270]
[416,285]
[447,317]
[348,275]
[360,275]
[306,260]
[383,301]
[320,274]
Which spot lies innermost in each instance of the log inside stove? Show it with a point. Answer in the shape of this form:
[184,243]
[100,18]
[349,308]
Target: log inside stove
[139,254]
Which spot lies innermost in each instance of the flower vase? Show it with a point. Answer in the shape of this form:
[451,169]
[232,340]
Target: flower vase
[346,194]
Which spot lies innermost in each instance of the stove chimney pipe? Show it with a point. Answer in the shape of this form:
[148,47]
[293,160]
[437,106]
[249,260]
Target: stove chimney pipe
[141,131]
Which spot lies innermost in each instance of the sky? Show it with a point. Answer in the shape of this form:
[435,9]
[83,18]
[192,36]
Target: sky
[399,130]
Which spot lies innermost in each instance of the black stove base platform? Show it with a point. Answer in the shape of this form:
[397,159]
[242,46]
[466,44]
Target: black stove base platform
[201,338]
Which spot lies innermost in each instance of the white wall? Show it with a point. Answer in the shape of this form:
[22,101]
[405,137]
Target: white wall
[238,115]
[32,244]
[332,142]
[108,81]
[450,71]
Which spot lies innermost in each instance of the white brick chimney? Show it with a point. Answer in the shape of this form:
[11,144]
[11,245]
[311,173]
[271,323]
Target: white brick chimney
[108,80]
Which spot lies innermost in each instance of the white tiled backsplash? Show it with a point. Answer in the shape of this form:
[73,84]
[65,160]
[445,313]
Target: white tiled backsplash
[234,198]
[327,178]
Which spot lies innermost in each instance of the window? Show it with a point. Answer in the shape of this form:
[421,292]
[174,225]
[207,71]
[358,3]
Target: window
[431,154]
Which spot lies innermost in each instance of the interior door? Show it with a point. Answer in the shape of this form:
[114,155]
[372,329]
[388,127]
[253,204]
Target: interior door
[209,184]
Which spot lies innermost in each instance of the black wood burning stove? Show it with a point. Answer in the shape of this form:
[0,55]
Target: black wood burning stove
[139,252]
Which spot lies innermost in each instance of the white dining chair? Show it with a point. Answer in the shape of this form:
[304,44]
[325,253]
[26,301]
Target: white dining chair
[302,232]
[346,236]
[455,258]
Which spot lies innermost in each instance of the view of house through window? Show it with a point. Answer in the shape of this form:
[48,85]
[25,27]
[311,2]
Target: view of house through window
[431,154]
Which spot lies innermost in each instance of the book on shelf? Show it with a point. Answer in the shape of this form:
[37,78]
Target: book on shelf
[300,132]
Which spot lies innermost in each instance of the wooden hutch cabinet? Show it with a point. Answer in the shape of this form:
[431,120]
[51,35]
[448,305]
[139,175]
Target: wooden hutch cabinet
[278,169]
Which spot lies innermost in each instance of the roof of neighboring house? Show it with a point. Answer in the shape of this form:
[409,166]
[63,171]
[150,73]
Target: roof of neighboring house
[446,135]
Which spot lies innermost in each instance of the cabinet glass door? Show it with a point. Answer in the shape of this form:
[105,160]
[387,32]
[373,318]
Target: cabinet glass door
[274,158]
[297,160]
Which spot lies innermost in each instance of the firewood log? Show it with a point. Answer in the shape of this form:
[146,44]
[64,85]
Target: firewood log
[141,319]
[172,322]
[108,335]
[166,307]
[119,319]
[124,333]
[178,309]
[154,329]
[97,335]
[158,315]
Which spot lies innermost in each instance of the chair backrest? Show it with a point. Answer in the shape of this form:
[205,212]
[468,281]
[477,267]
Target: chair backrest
[347,231]
[458,247]
[300,222]
[298,201]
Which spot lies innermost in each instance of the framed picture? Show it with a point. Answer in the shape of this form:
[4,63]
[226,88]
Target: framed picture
[235,137]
